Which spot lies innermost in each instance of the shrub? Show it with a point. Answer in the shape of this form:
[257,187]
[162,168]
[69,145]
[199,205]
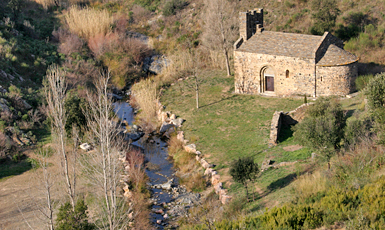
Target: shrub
[323,128]
[362,81]
[356,130]
[172,6]
[67,219]
[151,5]
[375,91]
[88,22]
[325,15]
[244,170]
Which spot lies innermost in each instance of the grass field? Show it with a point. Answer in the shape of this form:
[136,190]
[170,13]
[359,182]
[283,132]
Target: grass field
[228,126]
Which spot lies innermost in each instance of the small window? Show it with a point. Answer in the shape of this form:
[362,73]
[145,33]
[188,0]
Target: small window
[287,73]
[321,78]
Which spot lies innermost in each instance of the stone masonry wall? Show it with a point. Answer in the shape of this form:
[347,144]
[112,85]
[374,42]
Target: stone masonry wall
[336,80]
[249,70]
[248,22]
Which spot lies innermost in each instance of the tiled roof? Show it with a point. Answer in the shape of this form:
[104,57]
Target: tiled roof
[335,56]
[282,44]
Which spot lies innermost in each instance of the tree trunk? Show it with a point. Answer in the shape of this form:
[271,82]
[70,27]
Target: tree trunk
[247,192]
[197,92]
[227,62]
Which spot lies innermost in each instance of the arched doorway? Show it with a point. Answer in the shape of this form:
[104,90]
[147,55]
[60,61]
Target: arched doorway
[267,79]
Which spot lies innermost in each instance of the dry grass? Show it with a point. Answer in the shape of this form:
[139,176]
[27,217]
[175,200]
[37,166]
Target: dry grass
[147,99]
[88,22]
[310,184]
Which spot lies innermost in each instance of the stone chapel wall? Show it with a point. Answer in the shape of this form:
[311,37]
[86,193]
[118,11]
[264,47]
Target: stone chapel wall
[336,80]
[248,74]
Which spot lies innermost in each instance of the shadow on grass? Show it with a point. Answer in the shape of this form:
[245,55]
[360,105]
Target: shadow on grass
[11,168]
[281,183]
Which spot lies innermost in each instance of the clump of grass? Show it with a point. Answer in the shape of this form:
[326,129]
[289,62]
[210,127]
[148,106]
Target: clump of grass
[88,22]
[310,184]
[147,99]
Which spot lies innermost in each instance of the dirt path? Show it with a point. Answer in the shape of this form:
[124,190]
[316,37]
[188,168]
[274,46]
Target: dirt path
[22,199]
[17,194]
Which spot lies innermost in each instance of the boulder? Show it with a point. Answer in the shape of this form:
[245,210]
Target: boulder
[155,64]
[180,137]
[205,164]
[218,187]
[208,171]
[191,148]
[4,105]
[225,199]
[165,126]
[168,185]
[215,179]
[85,146]
[177,122]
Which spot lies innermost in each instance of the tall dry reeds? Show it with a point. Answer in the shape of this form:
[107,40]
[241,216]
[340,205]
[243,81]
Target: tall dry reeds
[147,99]
[88,22]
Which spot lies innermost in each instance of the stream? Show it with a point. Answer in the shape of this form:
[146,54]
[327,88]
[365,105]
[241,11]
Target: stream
[169,199]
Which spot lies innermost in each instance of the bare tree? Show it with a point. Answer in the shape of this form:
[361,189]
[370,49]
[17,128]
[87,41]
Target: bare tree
[43,206]
[55,94]
[220,29]
[195,85]
[103,165]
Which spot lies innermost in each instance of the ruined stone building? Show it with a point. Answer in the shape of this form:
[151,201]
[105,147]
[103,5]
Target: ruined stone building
[283,64]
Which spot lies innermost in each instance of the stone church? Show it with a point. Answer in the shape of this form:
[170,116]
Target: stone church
[283,64]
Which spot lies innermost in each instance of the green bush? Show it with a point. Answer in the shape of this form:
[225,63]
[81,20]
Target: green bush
[67,219]
[356,130]
[325,15]
[151,5]
[362,81]
[375,91]
[172,6]
[323,127]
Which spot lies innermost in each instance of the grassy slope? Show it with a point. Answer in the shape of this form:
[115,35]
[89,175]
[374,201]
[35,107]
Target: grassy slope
[228,126]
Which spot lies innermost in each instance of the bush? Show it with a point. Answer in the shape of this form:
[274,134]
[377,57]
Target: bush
[323,128]
[375,91]
[172,6]
[244,170]
[362,81]
[356,130]
[67,219]
[325,15]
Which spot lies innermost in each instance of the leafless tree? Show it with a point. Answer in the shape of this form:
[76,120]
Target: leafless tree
[220,29]
[195,85]
[42,204]
[103,165]
[55,94]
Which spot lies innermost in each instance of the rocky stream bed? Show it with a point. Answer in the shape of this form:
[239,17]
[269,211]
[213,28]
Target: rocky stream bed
[169,199]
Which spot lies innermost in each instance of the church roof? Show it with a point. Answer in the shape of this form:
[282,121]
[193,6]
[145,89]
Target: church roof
[335,56]
[296,45]
[282,44]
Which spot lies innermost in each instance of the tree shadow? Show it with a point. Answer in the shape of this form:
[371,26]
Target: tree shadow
[14,167]
[281,183]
